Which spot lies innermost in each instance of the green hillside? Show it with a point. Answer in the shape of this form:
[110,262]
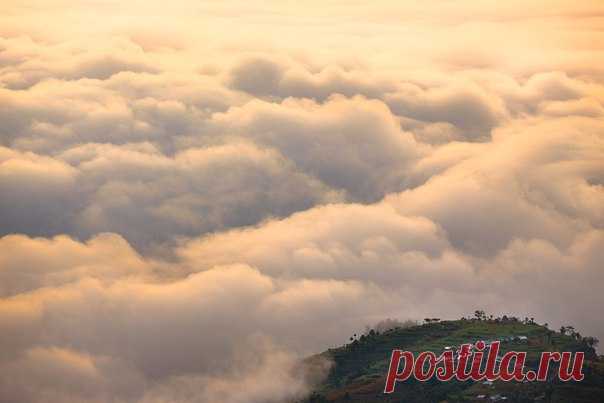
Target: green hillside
[360,367]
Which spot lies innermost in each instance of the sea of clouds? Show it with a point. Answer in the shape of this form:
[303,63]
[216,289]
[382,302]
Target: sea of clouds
[192,197]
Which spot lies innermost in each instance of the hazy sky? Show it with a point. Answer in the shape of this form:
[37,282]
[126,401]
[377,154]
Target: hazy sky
[193,194]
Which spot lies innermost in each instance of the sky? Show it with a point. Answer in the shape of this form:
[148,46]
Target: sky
[195,195]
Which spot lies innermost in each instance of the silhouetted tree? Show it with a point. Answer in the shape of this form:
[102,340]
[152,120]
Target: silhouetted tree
[479,314]
[591,341]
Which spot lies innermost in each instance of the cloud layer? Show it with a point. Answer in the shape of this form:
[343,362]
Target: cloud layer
[195,196]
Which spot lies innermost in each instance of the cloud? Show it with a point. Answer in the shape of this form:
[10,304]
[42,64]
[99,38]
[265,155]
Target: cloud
[148,197]
[338,276]
[25,180]
[263,77]
[27,62]
[139,334]
[354,145]
[471,110]
[262,375]
[195,196]
[200,190]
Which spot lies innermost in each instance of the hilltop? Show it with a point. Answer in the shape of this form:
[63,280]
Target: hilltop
[360,367]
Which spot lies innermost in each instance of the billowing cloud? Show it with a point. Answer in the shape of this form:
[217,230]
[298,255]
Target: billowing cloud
[354,145]
[268,78]
[148,197]
[195,196]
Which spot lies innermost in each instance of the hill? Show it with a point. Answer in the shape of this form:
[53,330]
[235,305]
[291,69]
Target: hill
[359,368]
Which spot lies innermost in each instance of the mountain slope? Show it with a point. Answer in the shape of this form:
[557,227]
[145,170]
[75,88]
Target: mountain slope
[360,367]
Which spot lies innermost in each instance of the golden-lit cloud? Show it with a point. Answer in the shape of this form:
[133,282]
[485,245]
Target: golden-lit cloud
[196,194]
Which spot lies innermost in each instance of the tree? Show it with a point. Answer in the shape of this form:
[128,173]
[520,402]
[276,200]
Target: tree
[479,314]
[591,341]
